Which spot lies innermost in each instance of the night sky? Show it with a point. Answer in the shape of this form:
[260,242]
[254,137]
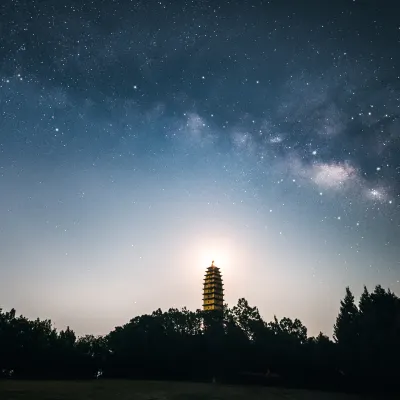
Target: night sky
[140,140]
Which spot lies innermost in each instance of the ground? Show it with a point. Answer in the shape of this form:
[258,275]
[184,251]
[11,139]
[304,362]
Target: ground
[148,390]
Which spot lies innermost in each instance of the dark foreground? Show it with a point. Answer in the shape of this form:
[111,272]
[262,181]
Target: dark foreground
[148,390]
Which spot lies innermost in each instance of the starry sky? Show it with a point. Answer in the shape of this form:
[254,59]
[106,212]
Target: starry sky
[139,140]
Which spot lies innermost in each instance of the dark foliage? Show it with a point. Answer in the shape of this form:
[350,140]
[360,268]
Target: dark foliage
[235,345]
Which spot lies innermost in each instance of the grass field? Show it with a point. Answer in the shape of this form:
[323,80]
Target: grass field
[148,390]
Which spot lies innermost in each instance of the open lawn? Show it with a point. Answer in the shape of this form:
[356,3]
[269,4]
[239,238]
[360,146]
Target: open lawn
[148,390]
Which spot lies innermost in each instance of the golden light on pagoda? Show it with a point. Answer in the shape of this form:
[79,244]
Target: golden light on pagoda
[213,289]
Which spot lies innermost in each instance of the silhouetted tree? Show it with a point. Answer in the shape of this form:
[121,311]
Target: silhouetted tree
[346,334]
[345,329]
[379,335]
[234,344]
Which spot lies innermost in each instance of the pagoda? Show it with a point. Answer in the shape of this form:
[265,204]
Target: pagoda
[213,292]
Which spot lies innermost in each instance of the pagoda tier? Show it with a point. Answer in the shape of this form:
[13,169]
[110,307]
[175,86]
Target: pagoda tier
[213,292]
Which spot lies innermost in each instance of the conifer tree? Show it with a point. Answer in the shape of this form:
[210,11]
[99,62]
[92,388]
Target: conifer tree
[345,329]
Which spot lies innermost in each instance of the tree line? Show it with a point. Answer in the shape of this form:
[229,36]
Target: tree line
[233,345]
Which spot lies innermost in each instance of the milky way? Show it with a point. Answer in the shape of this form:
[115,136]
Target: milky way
[134,133]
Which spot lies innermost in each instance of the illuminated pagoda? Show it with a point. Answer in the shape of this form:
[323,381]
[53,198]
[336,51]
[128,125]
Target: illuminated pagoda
[213,292]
